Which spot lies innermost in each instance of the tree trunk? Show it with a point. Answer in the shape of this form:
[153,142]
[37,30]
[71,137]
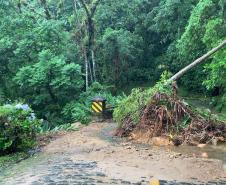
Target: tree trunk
[196,62]
[91,34]
[86,69]
[116,65]
[90,45]
[94,65]
[90,71]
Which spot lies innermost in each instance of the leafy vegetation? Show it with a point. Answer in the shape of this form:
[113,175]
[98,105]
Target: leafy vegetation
[81,111]
[132,106]
[57,55]
[18,127]
[165,114]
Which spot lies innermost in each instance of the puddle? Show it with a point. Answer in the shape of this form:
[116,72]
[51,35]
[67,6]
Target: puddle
[107,134]
[213,152]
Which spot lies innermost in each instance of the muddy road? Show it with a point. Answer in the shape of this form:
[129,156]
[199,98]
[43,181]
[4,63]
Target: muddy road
[93,156]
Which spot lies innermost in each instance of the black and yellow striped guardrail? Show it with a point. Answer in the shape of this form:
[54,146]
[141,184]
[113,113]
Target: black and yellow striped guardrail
[98,104]
[97,107]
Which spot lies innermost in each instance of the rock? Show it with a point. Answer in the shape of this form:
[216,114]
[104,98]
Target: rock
[125,144]
[128,147]
[201,145]
[204,155]
[160,141]
[77,125]
[217,140]
[214,141]
[178,154]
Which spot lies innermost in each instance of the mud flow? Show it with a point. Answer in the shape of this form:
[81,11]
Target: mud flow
[94,156]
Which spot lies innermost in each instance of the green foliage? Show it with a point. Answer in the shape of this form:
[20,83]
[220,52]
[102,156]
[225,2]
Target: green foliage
[75,111]
[18,128]
[42,52]
[205,29]
[121,50]
[81,110]
[64,127]
[213,35]
[131,106]
[38,60]
[50,83]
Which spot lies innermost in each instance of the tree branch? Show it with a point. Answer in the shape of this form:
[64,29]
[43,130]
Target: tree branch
[85,7]
[94,7]
[47,11]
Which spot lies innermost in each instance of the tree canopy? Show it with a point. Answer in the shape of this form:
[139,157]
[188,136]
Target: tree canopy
[52,51]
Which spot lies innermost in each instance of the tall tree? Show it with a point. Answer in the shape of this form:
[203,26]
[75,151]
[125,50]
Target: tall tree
[90,9]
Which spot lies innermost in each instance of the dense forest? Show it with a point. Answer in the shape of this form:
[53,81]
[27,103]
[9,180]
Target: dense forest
[57,54]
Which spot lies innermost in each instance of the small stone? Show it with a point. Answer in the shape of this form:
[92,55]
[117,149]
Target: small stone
[100,181]
[125,144]
[201,145]
[100,174]
[137,183]
[125,182]
[204,155]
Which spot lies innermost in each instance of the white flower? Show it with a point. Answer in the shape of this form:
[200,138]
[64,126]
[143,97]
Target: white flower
[32,117]
[22,106]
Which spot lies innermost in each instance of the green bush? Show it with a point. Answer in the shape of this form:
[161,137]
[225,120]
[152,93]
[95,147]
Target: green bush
[18,126]
[75,111]
[131,106]
[81,110]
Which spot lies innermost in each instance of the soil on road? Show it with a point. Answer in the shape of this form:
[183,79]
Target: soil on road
[94,156]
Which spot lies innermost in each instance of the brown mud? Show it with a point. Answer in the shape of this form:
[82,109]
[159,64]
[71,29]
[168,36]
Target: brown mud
[109,159]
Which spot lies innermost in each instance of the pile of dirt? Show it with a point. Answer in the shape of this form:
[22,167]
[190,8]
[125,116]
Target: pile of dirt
[169,116]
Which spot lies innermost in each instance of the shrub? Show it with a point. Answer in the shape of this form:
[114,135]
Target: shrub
[75,111]
[131,106]
[81,110]
[18,126]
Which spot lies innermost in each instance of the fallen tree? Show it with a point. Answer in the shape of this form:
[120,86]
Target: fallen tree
[197,62]
[158,111]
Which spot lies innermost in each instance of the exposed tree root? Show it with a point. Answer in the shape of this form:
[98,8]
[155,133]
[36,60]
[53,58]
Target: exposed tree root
[169,116]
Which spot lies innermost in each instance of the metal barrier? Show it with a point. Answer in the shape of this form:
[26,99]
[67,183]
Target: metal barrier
[99,106]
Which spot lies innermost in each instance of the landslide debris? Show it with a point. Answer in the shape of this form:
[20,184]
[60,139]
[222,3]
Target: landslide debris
[160,112]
